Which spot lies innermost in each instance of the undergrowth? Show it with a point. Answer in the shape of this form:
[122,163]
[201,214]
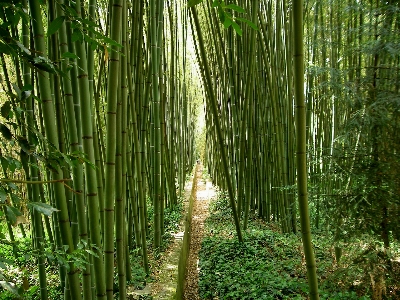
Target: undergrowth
[271,265]
[23,271]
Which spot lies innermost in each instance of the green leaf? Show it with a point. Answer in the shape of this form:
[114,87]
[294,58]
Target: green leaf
[6,49]
[221,14]
[27,87]
[43,208]
[23,48]
[215,3]
[90,24]
[11,287]
[77,36]
[192,3]
[3,262]
[44,64]
[237,28]
[25,95]
[227,23]
[5,109]
[37,98]
[15,198]
[55,25]
[69,55]
[24,144]
[92,253]
[12,214]
[111,41]
[251,24]
[4,163]
[5,132]
[12,186]
[235,8]
[24,157]
[3,195]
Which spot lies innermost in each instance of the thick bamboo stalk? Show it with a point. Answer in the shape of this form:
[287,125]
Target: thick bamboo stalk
[51,134]
[112,92]
[213,103]
[301,148]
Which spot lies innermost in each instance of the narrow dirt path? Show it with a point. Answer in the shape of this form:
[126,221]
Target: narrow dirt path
[164,287]
[165,274]
[205,192]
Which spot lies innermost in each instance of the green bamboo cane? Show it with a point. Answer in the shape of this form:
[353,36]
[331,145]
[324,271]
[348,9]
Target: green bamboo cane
[33,191]
[112,92]
[119,192]
[301,147]
[138,155]
[51,134]
[214,109]
[74,146]
[156,135]
[90,172]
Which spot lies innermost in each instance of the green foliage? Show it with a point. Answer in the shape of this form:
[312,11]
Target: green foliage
[225,14]
[43,208]
[172,217]
[271,265]
[252,270]
[192,3]
[14,270]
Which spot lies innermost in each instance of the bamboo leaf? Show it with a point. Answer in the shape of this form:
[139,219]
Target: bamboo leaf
[92,253]
[221,14]
[15,198]
[12,214]
[77,36]
[25,95]
[11,287]
[43,208]
[6,49]
[235,8]
[23,48]
[90,24]
[55,25]
[227,23]
[5,132]
[24,144]
[192,3]
[251,24]
[44,64]
[111,41]
[12,186]
[237,28]
[3,195]
[5,109]
[69,55]
[4,262]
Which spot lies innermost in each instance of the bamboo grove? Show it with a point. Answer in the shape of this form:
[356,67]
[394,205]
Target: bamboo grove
[103,110]
[351,92]
[99,118]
